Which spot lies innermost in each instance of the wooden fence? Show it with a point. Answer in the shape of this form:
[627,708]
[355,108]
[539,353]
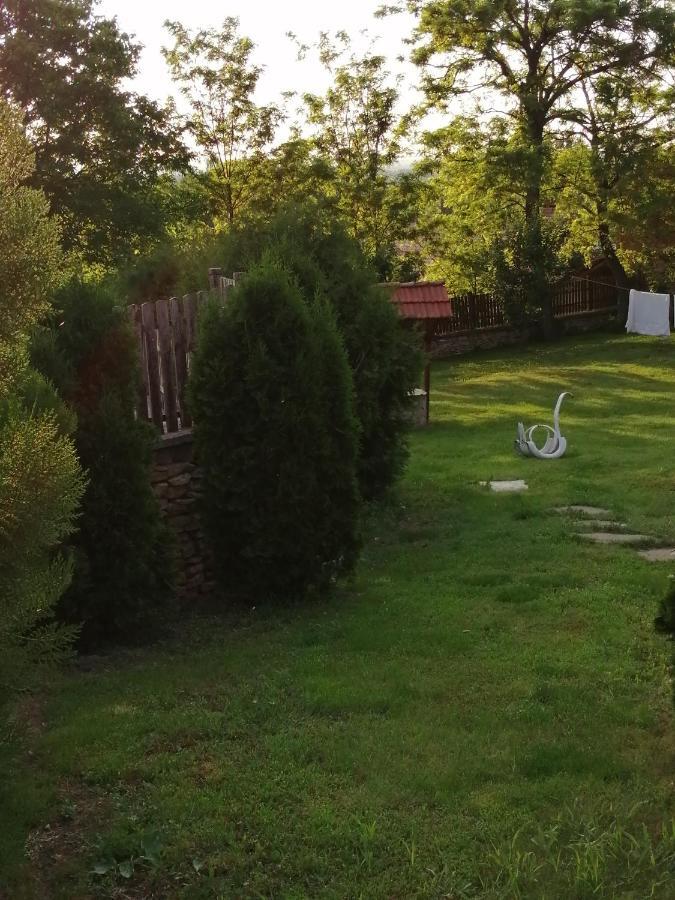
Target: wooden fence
[576,296]
[166,332]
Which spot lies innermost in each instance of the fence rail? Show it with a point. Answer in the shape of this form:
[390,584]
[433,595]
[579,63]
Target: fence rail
[573,297]
[166,330]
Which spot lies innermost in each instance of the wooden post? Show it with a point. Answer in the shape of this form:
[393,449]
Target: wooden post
[142,387]
[427,369]
[150,329]
[180,351]
[215,274]
[166,366]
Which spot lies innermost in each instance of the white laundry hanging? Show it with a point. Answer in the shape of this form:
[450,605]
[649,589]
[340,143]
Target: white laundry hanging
[648,313]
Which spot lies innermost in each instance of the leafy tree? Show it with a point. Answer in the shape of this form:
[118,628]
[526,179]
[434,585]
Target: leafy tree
[278,447]
[89,353]
[40,479]
[99,147]
[620,138]
[354,131]
[471,197]
[218,78]
[535,54]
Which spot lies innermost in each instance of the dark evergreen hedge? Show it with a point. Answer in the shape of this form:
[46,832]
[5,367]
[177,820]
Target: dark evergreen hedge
[122,586]
[385,359]
[271,397]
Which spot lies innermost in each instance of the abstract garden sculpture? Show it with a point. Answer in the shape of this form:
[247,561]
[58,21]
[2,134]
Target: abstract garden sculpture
[555,444]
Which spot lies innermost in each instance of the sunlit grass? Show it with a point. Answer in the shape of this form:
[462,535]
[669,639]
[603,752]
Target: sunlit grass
[485,711]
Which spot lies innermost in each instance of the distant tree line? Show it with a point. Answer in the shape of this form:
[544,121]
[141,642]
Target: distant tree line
[563,146]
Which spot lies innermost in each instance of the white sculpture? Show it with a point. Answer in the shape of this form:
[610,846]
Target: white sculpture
[555,444]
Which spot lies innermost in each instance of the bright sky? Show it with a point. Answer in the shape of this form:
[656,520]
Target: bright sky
[266,23]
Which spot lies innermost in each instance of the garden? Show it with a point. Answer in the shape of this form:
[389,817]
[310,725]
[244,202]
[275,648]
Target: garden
[297,597]
[484,710]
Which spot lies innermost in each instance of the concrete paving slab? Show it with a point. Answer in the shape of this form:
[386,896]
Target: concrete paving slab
[612,537]
[658,554]
[600,524]
[506,487]
[595,511]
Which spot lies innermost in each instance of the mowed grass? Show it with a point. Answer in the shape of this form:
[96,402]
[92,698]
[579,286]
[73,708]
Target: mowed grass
[484,712]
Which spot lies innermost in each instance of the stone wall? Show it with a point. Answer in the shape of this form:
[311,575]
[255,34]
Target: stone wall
[176,481]
[491,338]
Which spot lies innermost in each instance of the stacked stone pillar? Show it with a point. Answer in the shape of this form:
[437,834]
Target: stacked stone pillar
[177,483]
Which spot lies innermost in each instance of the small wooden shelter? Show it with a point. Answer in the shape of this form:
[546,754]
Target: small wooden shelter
[425,304]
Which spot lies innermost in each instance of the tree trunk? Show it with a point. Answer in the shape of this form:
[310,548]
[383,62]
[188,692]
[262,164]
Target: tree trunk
[609,250]
[538,291]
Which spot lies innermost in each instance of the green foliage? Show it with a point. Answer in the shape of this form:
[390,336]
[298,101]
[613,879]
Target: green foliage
[99,147]
[470,198]
[525,266]
[30,253]
[354,133]
[122,581]
[271,395]
[532,59]
[40,486]
[666,619]
[384,358]
[214,70]
[616,174]
[40,478]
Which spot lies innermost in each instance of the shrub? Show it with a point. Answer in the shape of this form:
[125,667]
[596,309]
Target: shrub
[40,486]
[666,619]
[122,584]
[385,358]
[40,479]
[271,396]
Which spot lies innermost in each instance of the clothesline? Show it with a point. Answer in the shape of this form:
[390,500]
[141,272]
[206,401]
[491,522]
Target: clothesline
[602,283]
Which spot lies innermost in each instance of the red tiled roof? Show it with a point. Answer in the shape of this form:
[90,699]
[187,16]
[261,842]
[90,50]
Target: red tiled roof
[421,300]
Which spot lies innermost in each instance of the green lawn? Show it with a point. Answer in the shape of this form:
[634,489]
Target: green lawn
[485,712]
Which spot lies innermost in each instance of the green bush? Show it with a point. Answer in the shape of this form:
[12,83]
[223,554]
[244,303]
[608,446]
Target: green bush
[40,486]
[40,478]
[666,619]
[271,396]
[385,359]
[122,584]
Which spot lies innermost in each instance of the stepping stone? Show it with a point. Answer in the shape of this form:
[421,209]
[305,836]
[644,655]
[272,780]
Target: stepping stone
[611,537]
[506,487]
[595,511]
[659,554]
[601,524]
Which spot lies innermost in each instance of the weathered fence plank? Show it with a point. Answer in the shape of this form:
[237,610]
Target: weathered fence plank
[166,365]
[190,316]
[181,357]
[134,312]
[154,388]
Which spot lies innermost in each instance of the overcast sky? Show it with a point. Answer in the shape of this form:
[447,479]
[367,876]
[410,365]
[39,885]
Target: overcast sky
[266,22]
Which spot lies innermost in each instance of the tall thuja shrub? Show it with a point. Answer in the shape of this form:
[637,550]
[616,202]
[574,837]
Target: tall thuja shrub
[40,478]
[122,586]
[271,398]
[385,359]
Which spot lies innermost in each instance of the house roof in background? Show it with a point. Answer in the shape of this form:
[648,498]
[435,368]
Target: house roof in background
[421,299]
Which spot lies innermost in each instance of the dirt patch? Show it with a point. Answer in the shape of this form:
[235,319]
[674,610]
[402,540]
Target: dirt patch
[57,848]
